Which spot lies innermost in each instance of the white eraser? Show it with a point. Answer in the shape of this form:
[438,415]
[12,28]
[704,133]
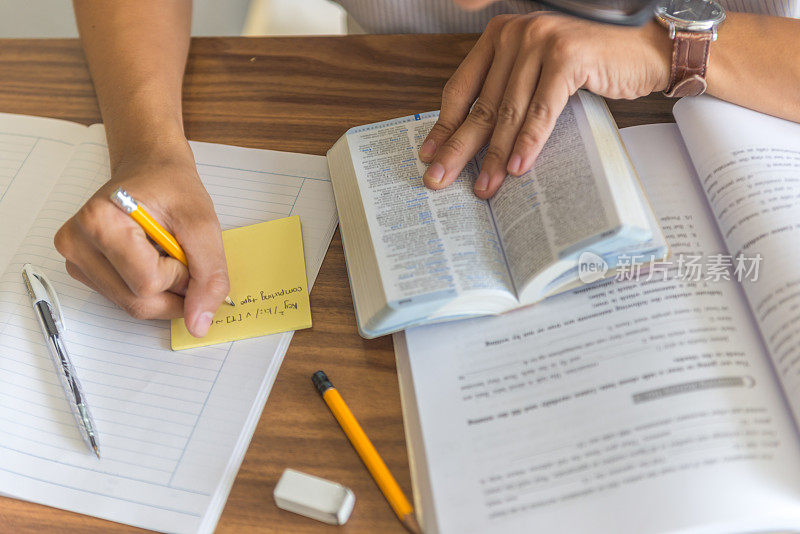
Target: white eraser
[314,497]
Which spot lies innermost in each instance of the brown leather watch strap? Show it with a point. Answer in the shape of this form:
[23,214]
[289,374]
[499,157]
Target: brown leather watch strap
[687,75]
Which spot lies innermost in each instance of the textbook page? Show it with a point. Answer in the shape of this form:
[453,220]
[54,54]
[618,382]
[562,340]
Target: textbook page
[628,406]
[33,150]
[173,426]
[749,168]
[429,244]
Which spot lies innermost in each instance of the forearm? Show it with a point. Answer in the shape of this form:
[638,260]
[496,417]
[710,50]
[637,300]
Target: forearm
[137,51]
[755,63]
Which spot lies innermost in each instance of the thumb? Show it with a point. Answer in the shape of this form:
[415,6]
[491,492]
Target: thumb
[208,275]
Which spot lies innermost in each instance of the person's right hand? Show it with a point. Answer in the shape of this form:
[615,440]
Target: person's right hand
[106,250]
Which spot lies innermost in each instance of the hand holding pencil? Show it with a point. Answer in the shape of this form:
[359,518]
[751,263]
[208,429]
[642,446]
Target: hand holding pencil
[109,252]
[124,201]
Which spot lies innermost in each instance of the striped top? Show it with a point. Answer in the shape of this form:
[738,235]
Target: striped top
[444,16]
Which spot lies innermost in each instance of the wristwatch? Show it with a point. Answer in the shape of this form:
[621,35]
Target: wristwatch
[692,26]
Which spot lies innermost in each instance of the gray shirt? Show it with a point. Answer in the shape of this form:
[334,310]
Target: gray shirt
[444,16]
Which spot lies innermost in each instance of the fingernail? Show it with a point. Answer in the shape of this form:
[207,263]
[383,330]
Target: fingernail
[514,164]
[434,174]
[427,149]
[203,323]
[482,183]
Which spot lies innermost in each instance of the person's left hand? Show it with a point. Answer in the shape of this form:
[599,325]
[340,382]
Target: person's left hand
[522,71]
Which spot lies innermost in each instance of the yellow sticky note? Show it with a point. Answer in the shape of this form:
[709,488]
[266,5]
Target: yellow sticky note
[267,270]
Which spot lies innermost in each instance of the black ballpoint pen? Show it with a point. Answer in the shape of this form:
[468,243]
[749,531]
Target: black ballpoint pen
[48,312]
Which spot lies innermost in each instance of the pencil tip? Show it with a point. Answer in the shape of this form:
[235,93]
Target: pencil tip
[97,452]
[410,522]
[229,301]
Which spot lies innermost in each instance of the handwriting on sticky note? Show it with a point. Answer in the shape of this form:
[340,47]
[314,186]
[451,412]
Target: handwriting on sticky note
[280,302]
[267,272]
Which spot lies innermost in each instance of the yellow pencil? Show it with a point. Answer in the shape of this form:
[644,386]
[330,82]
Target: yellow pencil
[155,231]
[363,446]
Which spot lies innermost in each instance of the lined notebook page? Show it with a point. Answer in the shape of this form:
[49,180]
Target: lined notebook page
[173,426]
[33,150]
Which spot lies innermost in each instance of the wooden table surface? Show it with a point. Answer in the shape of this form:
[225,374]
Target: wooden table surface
[299,95]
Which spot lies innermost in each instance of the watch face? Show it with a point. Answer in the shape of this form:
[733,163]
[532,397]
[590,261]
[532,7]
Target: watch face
[691,12]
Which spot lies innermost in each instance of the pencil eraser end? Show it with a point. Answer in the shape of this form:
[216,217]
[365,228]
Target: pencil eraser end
[314,497]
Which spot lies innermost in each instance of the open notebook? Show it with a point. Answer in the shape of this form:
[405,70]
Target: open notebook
[174,426]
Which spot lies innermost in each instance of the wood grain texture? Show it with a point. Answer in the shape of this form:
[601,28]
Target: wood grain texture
[300,95]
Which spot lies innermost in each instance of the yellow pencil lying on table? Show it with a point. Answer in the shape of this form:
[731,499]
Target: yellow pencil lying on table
[155,231]
[363,446]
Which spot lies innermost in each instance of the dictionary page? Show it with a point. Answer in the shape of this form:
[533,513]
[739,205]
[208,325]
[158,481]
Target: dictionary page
[581,194]
[628,406]
[173,426]
[748,165]
[413,254]
[427,242]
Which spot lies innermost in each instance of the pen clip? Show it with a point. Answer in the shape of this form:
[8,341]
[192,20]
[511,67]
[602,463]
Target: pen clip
[40,289]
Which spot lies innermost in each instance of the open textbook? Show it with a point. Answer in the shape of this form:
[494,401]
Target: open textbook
[173,426]
[665,404]
[417,256]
